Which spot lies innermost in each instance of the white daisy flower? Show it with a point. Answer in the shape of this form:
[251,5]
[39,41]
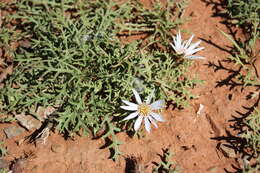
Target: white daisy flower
[144,110]
[185,48]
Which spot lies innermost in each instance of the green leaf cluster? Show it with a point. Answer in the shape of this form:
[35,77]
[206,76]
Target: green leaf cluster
[3,170]
[252,135]
[246,13]
[248,74]
[3,149]
[76,63]
[166,165]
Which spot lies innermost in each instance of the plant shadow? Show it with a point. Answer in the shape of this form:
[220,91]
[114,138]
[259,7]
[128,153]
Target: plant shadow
[229,80]
[219,8]
[135,164]
[235,141]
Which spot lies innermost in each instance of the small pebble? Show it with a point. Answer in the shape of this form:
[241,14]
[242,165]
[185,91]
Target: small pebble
[34,169]
[212,169]
[19,166]
[57,148]
[13,131]
[28,121]
[4,164]
[227,151]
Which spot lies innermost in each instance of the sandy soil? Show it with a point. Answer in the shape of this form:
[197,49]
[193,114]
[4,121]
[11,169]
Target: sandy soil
[191,137]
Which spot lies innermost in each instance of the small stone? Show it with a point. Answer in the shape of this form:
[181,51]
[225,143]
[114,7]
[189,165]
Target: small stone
[19,142]
[25,43]
[200,109]
[227,150]
[34,169]
[212,169]
[194,14]
[28,121]
[43,112]
[13,131]
[19,165]
[4,164]
[57,148]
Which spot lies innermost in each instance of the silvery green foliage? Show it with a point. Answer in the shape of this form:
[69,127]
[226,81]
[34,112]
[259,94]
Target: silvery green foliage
[77,64]
[166,165]
[3,170]
[252,145]
[252,135]
[247,74]
[3,149]
[246,13]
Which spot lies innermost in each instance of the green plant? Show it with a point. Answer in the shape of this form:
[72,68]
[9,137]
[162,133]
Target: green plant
[252,135]
[250,138]
[3,170]
[6,119]
[247,75]
[166,166]
[76,63]
[246,13]
[3,149]
[251,169]
[155,21]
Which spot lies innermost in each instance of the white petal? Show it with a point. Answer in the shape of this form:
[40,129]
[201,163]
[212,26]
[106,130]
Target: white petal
[174,40]
[179,35]
[147,124]
[137,97]
[152,121]
[193,51]
[138,123]
[173,47]
[157,117]
[184,43]
[159,104]
[129,108]
[195,57]
[188,42]
[129,103]
[131,116]
[178,40]
[177,45]
[193,46]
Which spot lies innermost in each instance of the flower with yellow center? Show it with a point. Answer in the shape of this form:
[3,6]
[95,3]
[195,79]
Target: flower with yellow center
[144,110]
[185,48]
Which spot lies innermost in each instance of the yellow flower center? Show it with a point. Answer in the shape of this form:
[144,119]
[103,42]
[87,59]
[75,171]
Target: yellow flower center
[144,109]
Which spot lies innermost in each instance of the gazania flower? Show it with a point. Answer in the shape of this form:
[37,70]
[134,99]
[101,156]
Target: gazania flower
[144,111]
[185,48]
